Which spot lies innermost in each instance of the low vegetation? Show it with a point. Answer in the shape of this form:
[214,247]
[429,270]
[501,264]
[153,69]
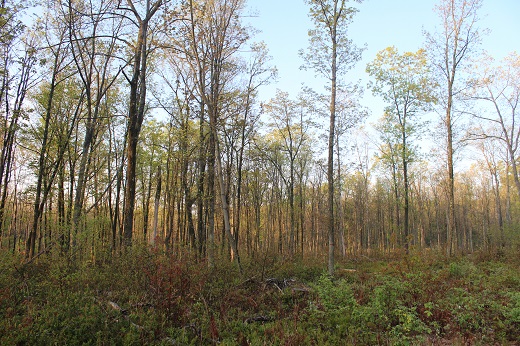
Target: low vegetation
[146,297]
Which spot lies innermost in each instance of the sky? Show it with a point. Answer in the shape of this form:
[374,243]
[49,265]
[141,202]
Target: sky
[283,25]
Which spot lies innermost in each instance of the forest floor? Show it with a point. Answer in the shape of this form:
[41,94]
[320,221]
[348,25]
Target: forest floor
[145,297]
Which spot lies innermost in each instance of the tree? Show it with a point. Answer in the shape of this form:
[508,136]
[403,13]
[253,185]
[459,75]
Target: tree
[489,151]
[57,48]
[450,50]
[330,54]
[93,51]
[290,137]
[137,105]
[17,61]
[151,156]
[499,87]
[403,82]
[258,73]
[183,108]
[349,113]
[59,106]
[214,34]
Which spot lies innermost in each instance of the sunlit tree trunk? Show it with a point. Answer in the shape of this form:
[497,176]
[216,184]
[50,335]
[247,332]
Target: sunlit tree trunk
[136,111]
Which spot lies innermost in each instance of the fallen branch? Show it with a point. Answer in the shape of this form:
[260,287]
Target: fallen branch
[124,313]
[44,251]
[280,284]
[301,289]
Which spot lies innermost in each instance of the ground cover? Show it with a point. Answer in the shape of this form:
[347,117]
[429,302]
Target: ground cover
[146,297]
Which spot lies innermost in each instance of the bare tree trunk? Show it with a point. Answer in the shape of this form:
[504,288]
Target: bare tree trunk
[225,210]
[508,195]
[201,226]
[211,191]
[406,189]
[330,158]
[146,202]
[452,230]
[136,112]
[157,202]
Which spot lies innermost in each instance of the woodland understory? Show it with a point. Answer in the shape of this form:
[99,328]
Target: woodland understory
[147,297]
[132,122]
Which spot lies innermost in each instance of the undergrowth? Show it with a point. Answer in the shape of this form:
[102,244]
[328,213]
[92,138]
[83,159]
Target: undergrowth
[148,297]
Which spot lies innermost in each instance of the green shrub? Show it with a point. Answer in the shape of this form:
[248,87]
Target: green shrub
[462,269]
[334,307]
[394,313]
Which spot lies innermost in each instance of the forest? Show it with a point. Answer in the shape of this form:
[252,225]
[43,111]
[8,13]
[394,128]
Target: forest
[148,195]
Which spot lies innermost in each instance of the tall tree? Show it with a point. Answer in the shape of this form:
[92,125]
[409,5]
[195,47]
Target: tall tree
[17,59]
[93,51]
[137,103]
[450,50]
[57,48]
[215,34]
[330,54]
[402,80]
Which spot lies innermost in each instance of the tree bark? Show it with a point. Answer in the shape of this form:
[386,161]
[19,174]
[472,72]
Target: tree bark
[330,158]
[136,113]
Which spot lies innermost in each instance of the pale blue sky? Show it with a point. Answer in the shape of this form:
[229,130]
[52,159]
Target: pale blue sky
[379,24]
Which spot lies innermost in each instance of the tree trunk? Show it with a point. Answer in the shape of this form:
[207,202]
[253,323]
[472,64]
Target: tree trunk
[225,210]
[451,230]
[157,202]
[330,158]
[136,114]
[37,210]
[211,191]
